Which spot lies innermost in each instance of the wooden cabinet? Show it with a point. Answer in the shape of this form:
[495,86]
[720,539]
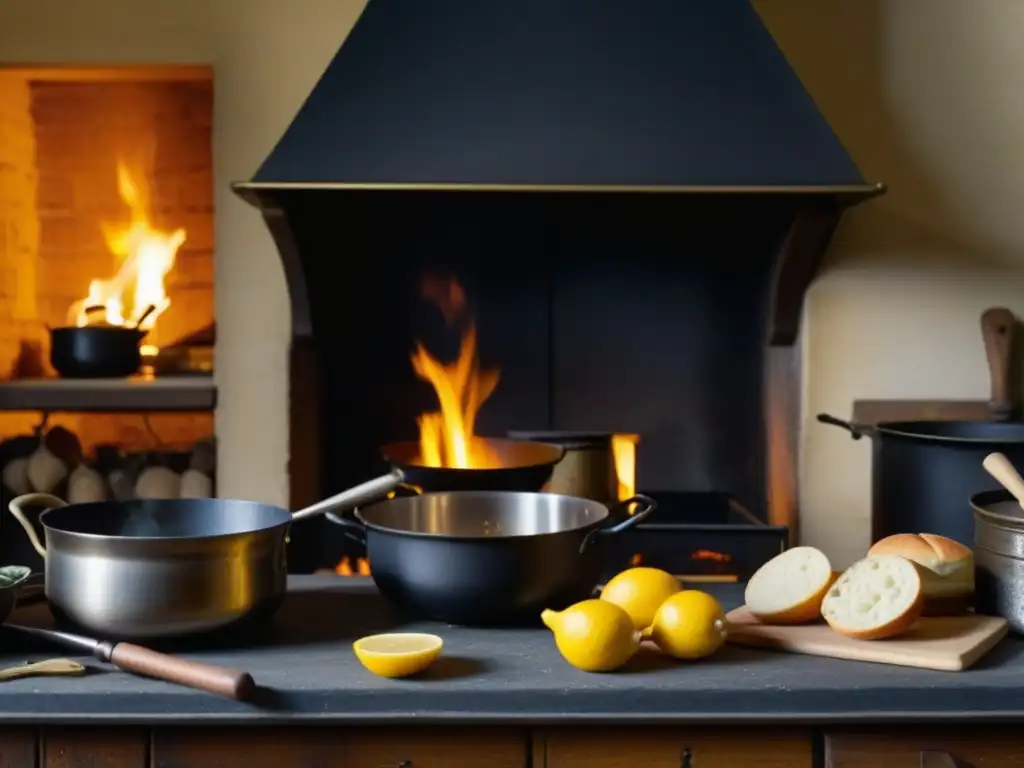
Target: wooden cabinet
[18,747]
[466,747]
[253,747]
[353,747]
[958,745]
[690,747]
[104,747]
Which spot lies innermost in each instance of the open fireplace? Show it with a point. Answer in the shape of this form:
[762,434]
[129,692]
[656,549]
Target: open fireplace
[488,229]
[106,184]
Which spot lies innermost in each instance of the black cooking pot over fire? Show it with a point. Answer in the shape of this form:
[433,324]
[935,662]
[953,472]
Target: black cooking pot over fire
[488,557]
[98,351]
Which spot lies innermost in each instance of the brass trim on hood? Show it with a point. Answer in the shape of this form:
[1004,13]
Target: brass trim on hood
[865,190]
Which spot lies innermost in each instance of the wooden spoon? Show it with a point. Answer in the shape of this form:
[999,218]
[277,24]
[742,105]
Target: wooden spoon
[997,465]
[48,667]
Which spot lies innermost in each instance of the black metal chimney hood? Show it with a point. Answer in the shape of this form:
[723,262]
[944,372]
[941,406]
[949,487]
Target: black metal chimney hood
[626,95]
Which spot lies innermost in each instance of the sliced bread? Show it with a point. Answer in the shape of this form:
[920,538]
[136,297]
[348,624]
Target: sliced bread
[878,597]
[789,588]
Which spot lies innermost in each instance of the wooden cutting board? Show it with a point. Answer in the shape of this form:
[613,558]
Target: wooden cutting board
[950,644]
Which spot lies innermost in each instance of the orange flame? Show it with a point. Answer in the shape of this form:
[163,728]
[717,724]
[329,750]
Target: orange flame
[147,255]
[447,437]
[344,568]
[624,456]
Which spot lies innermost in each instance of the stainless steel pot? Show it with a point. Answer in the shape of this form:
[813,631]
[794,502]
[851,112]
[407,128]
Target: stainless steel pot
[167,567]
[999,556]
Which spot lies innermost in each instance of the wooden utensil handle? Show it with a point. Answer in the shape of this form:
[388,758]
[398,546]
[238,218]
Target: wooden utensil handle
[48,667]
[222,681]
[998,328]
[997,465]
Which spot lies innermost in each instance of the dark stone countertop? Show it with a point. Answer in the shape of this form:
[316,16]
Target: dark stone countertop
[310,675]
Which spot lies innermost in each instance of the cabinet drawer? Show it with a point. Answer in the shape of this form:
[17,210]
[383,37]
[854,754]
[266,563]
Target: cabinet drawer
[685,747]
[443,747]
[351,747]
[934,746]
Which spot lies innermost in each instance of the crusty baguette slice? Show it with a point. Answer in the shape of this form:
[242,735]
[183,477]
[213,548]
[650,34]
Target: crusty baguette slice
[947,571]
[789,588]
[877,597]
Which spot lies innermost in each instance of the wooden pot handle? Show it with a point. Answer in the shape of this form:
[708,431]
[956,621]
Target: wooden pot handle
[997,465]
[222,681]
[998,329]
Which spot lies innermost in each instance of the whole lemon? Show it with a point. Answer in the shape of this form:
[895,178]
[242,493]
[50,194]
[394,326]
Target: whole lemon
[593,635]
[689,625]
[640,592]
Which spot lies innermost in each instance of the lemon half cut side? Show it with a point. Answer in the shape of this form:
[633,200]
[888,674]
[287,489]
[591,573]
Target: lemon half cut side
[398,654]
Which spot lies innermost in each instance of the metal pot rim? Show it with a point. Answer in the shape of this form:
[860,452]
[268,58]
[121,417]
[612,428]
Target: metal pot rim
[584,529]
[111,330]
[104,537]
[450,537]
[901,429]
[980,503]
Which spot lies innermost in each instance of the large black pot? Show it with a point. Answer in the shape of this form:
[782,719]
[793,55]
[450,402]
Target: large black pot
[482,558]
[924,473]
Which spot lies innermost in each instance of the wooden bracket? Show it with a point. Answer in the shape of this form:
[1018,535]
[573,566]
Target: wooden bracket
[796,265]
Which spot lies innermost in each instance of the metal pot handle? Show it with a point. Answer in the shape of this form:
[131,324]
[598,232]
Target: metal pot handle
[856,430]
[16,508]
[350,529]
[371,490]
[642,508]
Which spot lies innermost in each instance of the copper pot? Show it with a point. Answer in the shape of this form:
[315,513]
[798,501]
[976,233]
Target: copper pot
[588,468]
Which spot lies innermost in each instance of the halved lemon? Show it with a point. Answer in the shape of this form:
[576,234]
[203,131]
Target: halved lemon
[397,654]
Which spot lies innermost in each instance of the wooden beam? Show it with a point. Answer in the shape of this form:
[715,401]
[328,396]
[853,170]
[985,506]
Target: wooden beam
[797,263]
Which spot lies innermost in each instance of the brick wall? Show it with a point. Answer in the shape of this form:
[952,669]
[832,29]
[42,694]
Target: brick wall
[59,147]
[19,234]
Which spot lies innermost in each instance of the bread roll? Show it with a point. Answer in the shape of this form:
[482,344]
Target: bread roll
[875,598]
[947,569]
[789,588]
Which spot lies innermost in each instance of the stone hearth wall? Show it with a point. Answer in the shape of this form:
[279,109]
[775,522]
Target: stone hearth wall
[60,141]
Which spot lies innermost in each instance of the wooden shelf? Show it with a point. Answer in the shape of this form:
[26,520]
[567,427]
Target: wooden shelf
[162,393]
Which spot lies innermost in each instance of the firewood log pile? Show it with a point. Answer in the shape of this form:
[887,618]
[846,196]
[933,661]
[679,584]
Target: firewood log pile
[53,462]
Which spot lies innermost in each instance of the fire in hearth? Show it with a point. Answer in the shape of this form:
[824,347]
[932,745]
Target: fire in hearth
[345,568]
[146,256]
[624,457]
[447,437]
